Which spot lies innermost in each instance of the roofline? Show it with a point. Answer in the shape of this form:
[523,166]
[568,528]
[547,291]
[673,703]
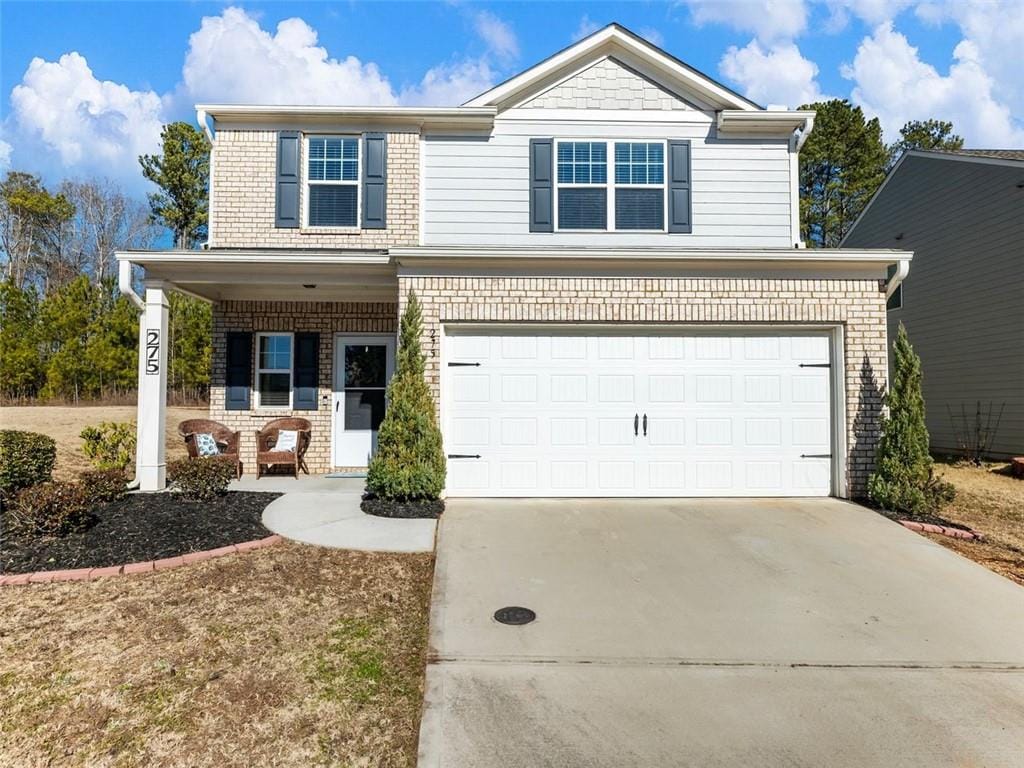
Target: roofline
[504,89]
[298,257]
[930,155]
[483,116]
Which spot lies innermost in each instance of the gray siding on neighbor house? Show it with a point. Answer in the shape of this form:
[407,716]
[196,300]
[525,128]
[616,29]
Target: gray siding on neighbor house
[963,302]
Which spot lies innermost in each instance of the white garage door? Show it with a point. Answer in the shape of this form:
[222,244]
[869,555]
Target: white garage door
[549,413]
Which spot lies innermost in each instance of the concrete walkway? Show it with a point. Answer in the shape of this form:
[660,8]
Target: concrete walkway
[716,632]
[325,511]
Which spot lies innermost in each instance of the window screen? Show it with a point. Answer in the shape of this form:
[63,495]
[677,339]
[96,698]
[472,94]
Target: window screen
[333,205]
[639,208]
[333,181]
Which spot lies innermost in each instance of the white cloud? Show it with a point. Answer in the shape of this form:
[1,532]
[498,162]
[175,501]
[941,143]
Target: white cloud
[5,155]
[586,28]
[778,74]
[892,83]
[497,35]
[872,12]
[91,124]
[768,20]
[450,84]
[652,35]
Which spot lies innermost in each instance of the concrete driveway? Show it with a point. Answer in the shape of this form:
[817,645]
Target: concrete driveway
[716,633]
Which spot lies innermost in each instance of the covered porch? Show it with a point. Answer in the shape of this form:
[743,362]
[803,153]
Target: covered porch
[296,333]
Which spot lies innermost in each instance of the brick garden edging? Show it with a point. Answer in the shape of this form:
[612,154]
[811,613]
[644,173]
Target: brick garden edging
[942,530]
[150,566]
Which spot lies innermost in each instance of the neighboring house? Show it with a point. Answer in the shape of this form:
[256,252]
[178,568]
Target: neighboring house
[962,214]
[615,296]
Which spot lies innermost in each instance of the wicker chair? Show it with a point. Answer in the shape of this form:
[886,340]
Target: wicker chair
[266,439]
[227,440]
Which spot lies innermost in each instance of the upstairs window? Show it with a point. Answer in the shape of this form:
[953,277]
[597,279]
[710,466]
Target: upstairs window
[332,181]
[613,186]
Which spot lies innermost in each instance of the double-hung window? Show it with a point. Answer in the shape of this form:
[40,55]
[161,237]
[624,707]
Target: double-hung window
[332,181]
[616,186]
[274,370]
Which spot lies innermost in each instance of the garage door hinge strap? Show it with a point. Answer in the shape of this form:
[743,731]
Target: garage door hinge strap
[815,455]
[463,455]
[802,365]
[463,365]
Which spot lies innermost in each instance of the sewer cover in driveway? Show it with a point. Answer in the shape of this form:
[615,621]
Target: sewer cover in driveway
[514,614]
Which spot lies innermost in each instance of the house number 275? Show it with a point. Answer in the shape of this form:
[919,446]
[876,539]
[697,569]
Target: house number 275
[152,352]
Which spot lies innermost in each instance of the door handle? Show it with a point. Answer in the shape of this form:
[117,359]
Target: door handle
[645,425]
[336,404]
[636,424]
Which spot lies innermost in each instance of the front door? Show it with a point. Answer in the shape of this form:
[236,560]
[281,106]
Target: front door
[362,368]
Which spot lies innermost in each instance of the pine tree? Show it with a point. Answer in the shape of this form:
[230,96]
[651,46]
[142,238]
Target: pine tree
[904,480]
[409,463]
[182,171]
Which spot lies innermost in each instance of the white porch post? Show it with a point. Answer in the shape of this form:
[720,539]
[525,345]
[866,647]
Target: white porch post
[152,410]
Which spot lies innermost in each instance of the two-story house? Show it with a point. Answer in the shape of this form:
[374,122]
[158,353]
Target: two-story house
[607,251]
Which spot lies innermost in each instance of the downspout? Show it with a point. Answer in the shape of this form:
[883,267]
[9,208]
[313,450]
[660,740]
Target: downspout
[201,119]
[796,141]
[124,284]
[902,270]
[800,134]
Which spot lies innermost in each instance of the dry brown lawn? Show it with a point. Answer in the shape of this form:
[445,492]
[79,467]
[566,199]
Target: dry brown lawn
[990,501]
[64,422]
[288,656]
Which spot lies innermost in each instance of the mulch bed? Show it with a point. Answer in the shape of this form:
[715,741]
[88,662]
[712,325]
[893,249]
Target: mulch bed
[141,527]
[404,509]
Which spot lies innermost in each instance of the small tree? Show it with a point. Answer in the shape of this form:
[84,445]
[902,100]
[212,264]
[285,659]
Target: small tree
[182,171]
[409,464]
[904,479]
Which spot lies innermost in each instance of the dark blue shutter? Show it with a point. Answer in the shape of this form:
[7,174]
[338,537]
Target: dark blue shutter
[542,217]
[375,180]
[286,204]
[306,372]
[679,202]
[238,373]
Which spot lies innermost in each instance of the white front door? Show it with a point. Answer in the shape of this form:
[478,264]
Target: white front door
[363,366]
[568,413]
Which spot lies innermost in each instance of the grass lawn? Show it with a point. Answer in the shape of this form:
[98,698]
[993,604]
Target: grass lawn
[990,501]
[63,423]
[289,656]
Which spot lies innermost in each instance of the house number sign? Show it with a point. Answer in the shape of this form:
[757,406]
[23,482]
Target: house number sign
[152,352]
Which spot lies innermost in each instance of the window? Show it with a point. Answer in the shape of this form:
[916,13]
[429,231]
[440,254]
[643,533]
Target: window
[582,185]
[630,197]
[274,370]
[332,181]
[639,185]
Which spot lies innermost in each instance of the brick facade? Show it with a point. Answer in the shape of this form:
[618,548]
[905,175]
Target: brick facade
[858,305]
[243,180]
[326,318]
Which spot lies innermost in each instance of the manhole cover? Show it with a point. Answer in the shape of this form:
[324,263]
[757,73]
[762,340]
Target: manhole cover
[514,614]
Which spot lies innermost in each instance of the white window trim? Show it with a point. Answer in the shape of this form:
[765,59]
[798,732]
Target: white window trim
[307,182]
[290,371]
[610,185]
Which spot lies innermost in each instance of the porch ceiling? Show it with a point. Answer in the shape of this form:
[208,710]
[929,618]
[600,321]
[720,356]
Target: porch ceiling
[219,275]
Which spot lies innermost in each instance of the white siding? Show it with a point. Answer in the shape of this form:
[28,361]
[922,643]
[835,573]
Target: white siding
[477,188]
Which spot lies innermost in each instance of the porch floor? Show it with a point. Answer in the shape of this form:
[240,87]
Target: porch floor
[325,511]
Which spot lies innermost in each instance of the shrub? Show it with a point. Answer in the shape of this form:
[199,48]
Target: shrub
[904,478]
[102,486]
[51,509]
[409,463]
[26,458]
[204,478]
[110,445]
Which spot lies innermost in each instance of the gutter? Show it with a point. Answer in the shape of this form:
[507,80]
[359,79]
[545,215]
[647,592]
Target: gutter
[124,284]
[201,120]
[902,270]
[800,134]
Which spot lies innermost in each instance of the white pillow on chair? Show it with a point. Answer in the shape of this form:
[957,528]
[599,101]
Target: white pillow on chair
[287,440]
[206,444]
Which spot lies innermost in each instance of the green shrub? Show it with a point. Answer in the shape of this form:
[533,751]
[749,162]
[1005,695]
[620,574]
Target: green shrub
[904,478]
[110,445]
[26,458]
[204,478]
[409,463]
[51,509]
[103,486]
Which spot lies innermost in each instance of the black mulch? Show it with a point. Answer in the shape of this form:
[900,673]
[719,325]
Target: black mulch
[141,527]
[406,509]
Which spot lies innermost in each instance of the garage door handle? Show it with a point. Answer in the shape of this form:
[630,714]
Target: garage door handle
[645,425]
[636,424]
[463,455]
[815,455]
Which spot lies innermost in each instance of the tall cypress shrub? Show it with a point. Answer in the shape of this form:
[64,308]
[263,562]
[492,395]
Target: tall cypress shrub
[904,480]
[409,464]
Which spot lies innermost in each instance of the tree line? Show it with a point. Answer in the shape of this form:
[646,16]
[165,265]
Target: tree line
[66,333]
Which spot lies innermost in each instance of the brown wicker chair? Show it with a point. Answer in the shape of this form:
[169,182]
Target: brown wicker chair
[266,439]
[227,440]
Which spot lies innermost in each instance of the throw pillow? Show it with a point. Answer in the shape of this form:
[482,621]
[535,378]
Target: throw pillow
[206,445]
[287,440]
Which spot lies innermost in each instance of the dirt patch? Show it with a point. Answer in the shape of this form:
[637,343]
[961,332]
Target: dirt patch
[64,422]
[990,501]
[141,527]
[289,656]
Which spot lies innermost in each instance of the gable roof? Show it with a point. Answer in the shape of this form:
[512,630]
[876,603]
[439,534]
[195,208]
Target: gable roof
[995,154]
[612,39]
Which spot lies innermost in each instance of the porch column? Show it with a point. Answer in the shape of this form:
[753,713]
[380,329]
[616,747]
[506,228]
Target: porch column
[151,465]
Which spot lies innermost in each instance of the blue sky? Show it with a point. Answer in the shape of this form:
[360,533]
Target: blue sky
[85,86]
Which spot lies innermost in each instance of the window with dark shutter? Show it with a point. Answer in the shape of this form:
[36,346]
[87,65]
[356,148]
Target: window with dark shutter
[332,178]
[582,174]
[238,371]
[679,200]
[286,194]
[541,198]
[307,371]
[639,185]
[375,172]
